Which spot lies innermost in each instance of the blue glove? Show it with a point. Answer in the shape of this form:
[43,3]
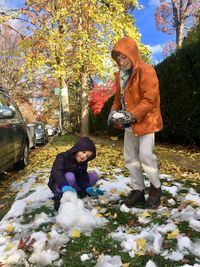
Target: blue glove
[68,188]
[92,191]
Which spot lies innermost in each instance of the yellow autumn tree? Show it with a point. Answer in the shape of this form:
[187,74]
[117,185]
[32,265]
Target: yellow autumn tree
[72,40]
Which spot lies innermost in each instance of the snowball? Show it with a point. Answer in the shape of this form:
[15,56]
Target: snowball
[118,115]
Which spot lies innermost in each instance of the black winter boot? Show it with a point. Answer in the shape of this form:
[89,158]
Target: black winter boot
[154,197]
[135,198]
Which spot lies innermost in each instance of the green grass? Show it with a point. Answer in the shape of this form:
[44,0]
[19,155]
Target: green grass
[29,216]
[99,241]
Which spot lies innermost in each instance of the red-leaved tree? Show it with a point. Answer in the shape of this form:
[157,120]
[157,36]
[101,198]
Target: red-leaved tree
[169,48]
[99,95]
[176,16]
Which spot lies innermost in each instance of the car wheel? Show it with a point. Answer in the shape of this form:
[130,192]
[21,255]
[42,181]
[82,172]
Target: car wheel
[20,165]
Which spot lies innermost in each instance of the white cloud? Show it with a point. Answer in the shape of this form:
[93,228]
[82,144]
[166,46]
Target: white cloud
[156,53]
[155,49]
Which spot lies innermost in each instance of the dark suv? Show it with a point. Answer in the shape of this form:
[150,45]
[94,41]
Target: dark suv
[14,144]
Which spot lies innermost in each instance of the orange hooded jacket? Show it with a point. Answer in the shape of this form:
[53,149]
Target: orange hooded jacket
[141,94]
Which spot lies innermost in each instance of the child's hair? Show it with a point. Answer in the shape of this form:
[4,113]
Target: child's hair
[115,54]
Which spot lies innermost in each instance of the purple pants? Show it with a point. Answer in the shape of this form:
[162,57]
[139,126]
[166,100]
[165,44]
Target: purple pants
[71,180]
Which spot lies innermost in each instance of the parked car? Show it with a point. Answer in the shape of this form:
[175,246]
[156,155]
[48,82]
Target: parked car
[14,142]
[31,136]
[40,132]
[50,130]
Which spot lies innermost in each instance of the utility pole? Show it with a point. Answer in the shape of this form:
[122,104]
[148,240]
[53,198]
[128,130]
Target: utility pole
[57,91]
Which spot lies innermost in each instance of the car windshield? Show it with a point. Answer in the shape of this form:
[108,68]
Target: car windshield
[36,126]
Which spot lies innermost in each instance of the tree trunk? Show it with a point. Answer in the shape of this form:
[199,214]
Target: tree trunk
[181,33]
[84,106]
[65,106]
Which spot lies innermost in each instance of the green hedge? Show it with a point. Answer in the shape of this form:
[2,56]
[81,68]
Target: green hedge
[98,124]
[179,78]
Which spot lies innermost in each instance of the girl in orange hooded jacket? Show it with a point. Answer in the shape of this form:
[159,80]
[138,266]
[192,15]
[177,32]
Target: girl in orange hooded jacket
[137,95]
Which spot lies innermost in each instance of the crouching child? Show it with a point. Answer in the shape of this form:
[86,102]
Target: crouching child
[69,172]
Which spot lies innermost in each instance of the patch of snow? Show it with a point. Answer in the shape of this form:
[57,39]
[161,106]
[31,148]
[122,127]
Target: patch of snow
[173,190]
[86,257]
[109,261]
[150,263]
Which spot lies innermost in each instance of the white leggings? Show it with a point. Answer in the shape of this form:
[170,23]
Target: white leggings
[139,156]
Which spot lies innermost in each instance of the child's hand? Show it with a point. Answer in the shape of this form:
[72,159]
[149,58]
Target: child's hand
[68,188]
[92,191]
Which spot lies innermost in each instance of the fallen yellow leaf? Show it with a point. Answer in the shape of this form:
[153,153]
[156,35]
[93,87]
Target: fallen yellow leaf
[107,214]
[183,194]
[99,215]
[29,202]
[165,213]
[114,138]
[115,216]
[165,183]
[173,234]
[191,202]
[131,231]
[49,236]
[113,190]
[145,214]
[9,228]
[9,247]
[75,233]
[140,244]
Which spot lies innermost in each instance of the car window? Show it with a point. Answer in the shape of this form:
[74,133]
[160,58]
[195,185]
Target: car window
[38,126]
[3,101]
[7,102]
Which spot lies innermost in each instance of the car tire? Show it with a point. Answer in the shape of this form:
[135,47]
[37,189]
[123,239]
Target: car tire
[20,165]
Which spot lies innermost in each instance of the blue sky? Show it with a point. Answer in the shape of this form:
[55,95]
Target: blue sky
[145,23]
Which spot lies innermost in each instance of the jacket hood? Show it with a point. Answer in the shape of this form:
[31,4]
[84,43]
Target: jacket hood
[129,48]
[84,144]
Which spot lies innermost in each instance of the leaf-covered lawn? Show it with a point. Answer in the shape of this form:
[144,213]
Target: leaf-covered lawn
[167,236]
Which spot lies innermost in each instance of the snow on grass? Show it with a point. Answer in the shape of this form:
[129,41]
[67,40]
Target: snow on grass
[32,232]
